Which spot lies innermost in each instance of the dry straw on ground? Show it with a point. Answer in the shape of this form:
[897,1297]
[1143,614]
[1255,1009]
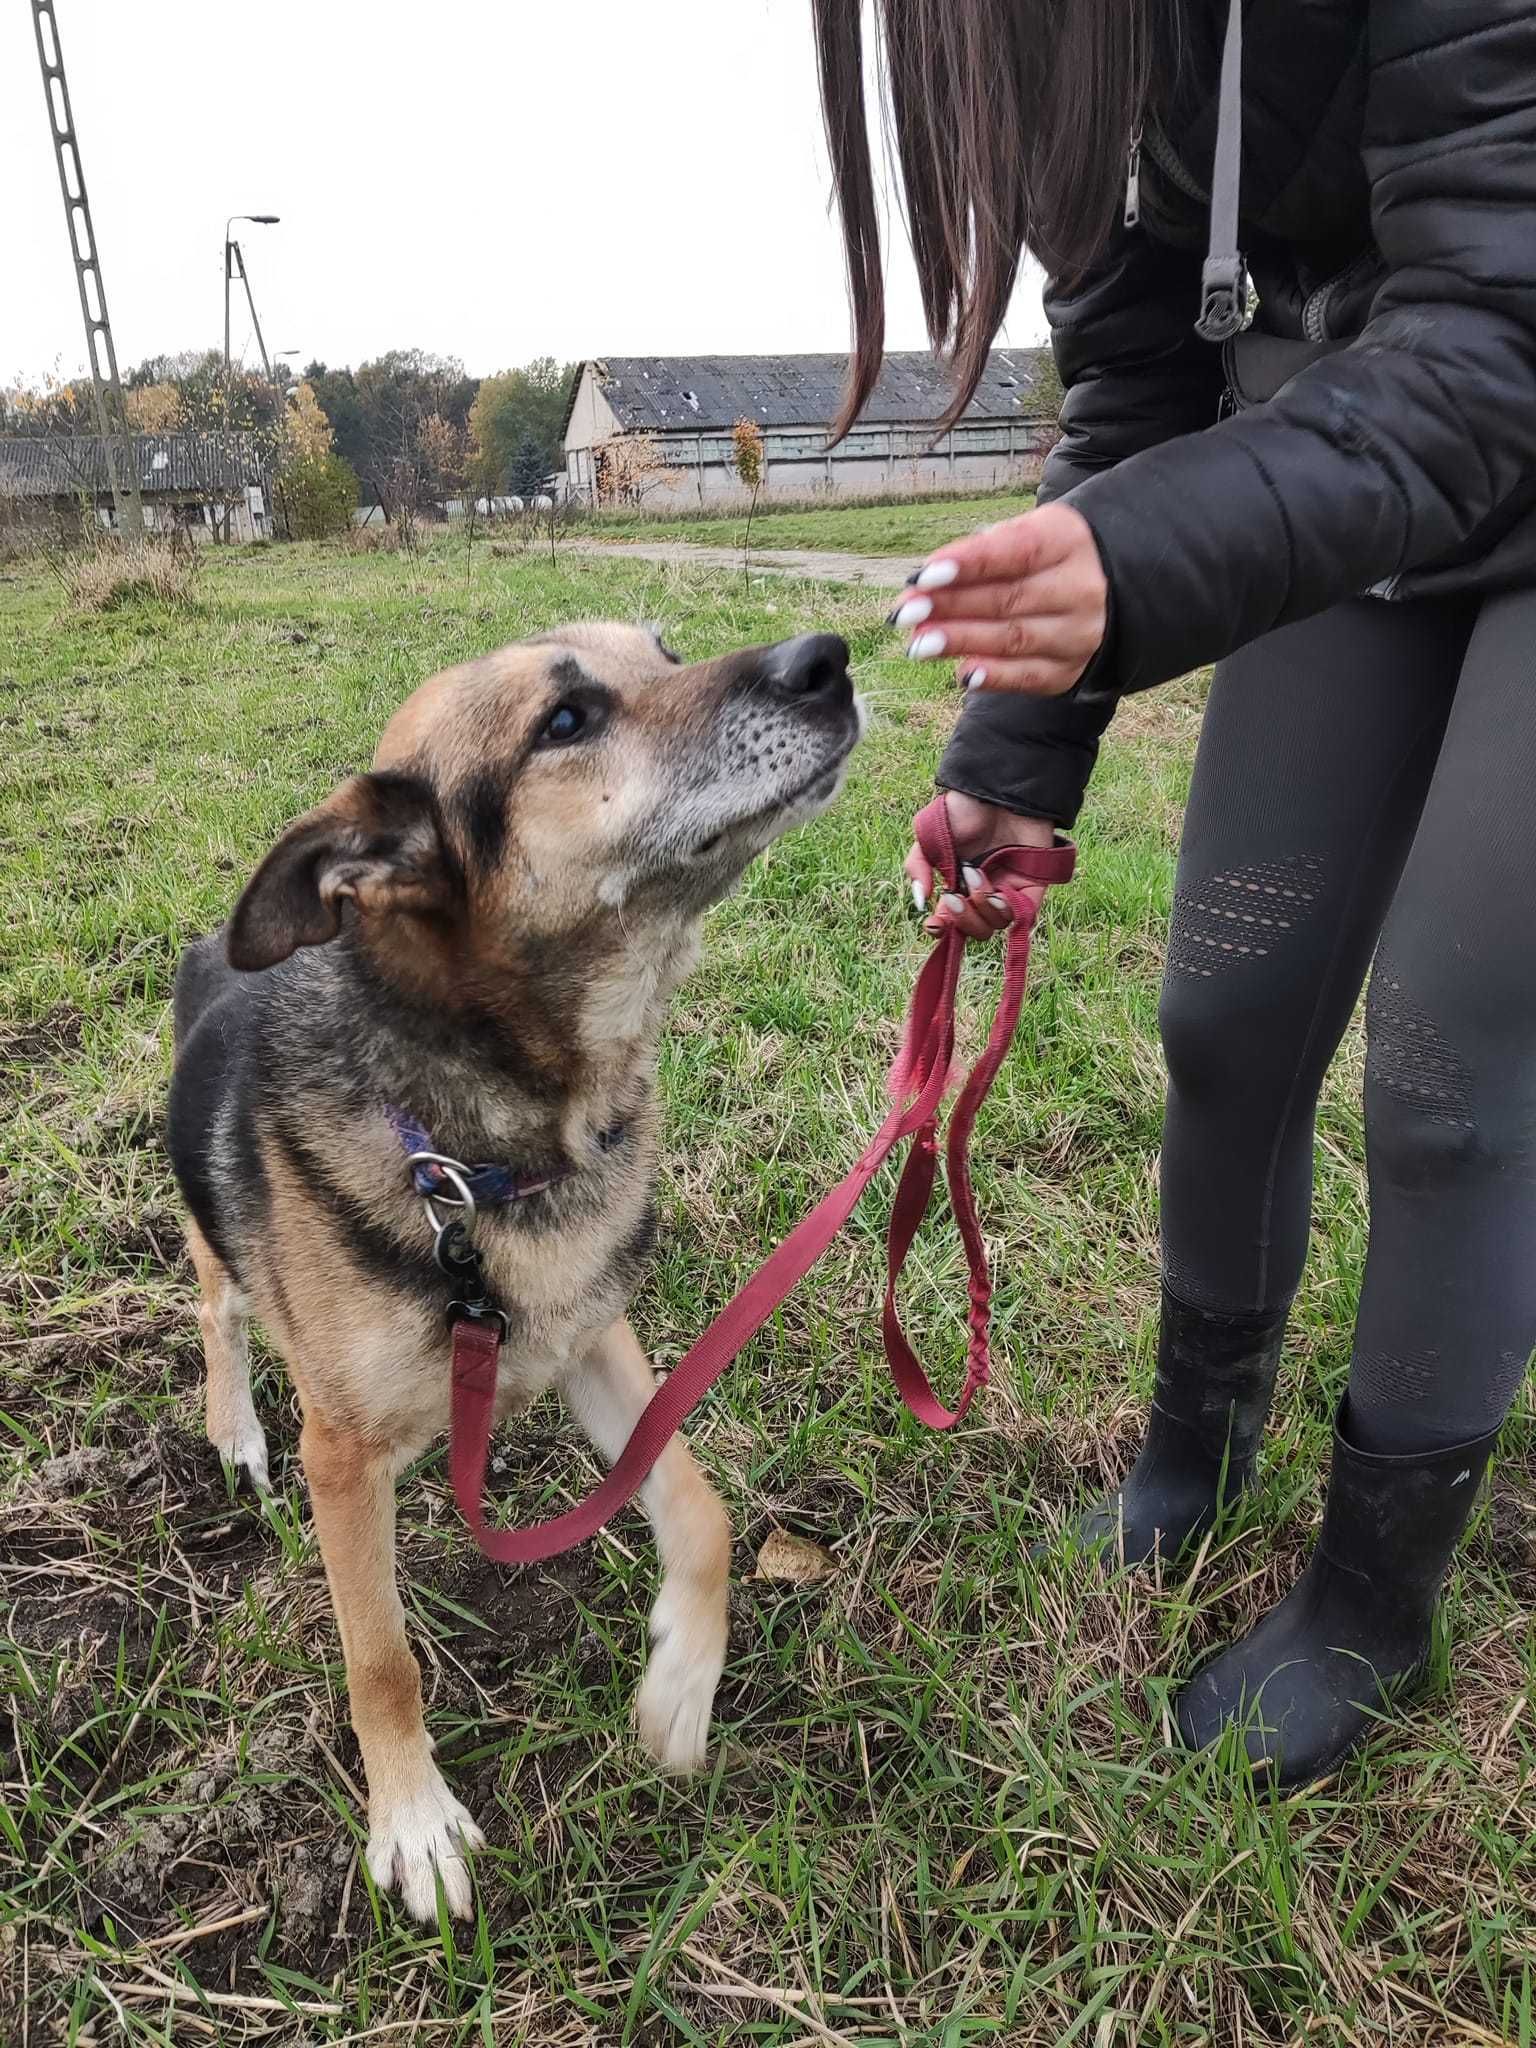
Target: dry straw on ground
[113,573]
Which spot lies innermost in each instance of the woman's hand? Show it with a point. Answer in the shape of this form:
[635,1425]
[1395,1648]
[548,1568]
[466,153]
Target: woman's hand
[978,828]
[1021,606]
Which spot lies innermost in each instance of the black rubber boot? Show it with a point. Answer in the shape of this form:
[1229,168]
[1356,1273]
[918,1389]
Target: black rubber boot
[1355,1629]
[1215,1378]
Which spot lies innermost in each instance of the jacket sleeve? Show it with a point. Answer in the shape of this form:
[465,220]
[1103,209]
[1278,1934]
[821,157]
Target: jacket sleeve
[1134,373]
[1394,453]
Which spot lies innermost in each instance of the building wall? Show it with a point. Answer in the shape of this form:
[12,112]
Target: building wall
[592,422]
[172,512]
[979,454]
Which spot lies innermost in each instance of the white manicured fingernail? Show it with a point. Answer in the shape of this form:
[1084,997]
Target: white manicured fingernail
[952,902]
[913,612]
[926,645]
[997,903]
[974,678]
[937,575]
[919,896]
[972,877]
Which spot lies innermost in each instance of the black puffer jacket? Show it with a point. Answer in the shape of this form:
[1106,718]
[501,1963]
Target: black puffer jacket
[1388,196]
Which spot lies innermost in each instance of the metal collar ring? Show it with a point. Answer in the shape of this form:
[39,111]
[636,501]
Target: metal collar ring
[456,1173]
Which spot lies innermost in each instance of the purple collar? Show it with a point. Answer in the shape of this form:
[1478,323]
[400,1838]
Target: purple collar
[491,1186]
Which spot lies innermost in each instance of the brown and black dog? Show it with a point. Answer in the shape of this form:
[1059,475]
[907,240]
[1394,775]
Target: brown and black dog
[481,935]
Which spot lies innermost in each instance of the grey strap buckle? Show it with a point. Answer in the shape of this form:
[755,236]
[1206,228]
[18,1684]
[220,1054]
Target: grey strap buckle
[1223,297]
[1224,279]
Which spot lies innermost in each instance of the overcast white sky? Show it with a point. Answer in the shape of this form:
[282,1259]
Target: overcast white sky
[492,179]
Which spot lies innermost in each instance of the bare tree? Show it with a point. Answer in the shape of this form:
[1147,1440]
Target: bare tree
[396,397]
[450,470]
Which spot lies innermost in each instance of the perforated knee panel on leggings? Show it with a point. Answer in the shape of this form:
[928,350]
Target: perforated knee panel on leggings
[1341,764]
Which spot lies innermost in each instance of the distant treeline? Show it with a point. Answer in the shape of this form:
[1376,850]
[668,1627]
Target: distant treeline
[387,415]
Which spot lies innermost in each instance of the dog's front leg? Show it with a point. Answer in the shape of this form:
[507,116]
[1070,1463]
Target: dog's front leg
[415,1825]
[233,1427]
[607,1393]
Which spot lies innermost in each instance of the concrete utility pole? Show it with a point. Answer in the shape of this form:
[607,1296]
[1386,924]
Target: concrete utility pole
[233,255]
[261,346]
[111,416]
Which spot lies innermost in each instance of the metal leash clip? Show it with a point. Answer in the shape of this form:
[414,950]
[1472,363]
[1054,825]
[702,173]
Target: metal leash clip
[453,1245]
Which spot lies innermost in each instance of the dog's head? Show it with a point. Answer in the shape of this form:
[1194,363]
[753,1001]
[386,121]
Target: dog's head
[583,776]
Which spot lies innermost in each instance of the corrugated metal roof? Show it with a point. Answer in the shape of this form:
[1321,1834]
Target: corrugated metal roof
[66,463]
[680,394]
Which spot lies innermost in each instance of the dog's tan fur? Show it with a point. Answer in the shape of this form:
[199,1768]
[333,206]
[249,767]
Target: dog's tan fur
[531,897]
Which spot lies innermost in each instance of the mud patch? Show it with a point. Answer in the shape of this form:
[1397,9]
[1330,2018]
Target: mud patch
[154,1238]
[825,1512]
[42,1371]
[234,1832]
[1508,1531]
[131,1459]
[528,1637]
[53,1036]
[69,1520]
[93,1469]
[523,1619]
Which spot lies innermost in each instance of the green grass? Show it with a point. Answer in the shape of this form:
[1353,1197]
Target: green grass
[942,1809]
[907,526]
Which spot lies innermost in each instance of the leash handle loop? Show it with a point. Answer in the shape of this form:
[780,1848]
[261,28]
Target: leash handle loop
[916,1085]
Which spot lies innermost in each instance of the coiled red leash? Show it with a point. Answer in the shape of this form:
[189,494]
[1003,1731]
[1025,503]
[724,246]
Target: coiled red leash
[916,1087]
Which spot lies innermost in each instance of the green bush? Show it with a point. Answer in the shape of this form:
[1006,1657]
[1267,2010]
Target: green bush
[318,495]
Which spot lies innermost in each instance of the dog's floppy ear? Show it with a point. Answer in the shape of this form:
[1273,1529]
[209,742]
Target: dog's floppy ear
[376,842]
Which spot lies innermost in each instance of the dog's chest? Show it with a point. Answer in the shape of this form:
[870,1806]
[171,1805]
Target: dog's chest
[560,1266]
[559,1288]
[556,1298]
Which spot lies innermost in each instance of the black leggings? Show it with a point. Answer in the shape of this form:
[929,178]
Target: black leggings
[1366,785]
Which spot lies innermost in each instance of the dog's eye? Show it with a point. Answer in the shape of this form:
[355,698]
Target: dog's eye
[565,723]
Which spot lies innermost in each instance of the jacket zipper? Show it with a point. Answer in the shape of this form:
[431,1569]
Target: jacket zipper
[1230,404]
[1157,147]
[1314,314]
[1133,181]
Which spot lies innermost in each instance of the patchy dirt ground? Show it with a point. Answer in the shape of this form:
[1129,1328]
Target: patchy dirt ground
[941,1807]
[232,1836]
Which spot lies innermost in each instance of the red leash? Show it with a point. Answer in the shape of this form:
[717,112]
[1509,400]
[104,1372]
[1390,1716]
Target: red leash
[916,1086]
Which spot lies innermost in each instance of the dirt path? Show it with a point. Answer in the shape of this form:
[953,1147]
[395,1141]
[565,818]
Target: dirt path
[881,572]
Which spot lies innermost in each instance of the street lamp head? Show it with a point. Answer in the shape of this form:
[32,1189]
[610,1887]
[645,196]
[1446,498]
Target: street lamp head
[265,220]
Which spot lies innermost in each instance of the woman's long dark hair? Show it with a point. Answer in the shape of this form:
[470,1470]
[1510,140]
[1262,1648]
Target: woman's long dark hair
[1011,121]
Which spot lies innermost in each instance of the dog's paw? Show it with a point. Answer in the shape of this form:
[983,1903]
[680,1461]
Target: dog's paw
[426,1834]
[673,1709]
[245,1448]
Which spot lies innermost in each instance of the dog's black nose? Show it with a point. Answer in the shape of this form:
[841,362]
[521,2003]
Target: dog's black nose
[815,665]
